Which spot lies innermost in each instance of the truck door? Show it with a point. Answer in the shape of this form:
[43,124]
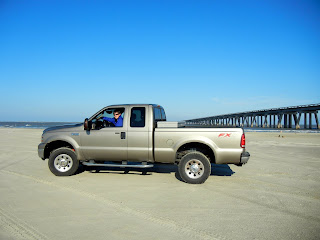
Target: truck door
[139,134]
[106,143]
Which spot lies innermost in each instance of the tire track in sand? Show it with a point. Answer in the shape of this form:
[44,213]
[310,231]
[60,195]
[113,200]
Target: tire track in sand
[164,222]
[18,228]
[279,208]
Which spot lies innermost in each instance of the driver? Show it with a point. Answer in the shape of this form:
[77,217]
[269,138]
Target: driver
[117,120]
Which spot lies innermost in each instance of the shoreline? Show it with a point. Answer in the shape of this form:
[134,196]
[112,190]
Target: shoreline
[246,130]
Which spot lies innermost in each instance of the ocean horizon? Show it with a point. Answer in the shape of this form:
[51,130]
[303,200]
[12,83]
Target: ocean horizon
[35,125]
[44,125]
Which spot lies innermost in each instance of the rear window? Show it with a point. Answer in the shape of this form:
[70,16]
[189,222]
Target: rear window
[163,115]
[159,114]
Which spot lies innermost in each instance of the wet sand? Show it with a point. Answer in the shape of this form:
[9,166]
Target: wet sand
[275,196]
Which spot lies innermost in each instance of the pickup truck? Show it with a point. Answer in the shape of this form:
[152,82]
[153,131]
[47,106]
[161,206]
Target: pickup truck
[143,139]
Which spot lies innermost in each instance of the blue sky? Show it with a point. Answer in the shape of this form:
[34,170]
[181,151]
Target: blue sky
[65,60]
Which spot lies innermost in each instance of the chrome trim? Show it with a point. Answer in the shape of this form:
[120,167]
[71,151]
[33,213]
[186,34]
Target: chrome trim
[91,163]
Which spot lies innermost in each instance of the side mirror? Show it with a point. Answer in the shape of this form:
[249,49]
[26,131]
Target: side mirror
[86,125]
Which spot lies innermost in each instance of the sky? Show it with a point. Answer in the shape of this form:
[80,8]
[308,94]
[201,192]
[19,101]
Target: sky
[65,60]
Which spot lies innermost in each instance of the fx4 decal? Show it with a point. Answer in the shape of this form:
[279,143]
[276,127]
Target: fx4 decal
[224,135]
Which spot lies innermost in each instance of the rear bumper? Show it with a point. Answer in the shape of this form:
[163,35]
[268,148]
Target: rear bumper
[41,147]
[244,158]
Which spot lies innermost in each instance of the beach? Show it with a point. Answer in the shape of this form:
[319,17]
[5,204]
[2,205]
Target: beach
[275,196]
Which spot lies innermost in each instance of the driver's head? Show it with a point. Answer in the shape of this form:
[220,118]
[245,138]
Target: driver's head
[116,114]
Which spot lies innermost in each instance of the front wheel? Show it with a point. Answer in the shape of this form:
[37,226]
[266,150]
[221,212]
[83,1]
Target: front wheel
[63,162]
[194,168]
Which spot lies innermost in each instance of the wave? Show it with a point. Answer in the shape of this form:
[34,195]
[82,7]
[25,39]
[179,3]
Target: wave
[36,125]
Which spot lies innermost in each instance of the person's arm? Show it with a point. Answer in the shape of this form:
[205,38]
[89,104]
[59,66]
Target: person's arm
[109,120]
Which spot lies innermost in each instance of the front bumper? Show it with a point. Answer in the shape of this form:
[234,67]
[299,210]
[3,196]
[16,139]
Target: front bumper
[41,147]
[244,158]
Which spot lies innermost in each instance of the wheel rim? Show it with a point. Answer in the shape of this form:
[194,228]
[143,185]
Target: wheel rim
[194,169]
[63,162]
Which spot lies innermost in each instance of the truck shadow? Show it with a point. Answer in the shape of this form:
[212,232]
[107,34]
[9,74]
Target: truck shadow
[216,170]
[221,170]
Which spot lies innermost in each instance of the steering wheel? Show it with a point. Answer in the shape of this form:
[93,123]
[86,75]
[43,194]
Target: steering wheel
[107,123]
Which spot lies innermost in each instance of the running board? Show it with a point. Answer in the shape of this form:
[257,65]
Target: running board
[92,163]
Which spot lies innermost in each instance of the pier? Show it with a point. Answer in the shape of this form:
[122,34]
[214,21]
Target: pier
[286,117]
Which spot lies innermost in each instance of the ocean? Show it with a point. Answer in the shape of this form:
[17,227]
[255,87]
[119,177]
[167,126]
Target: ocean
[36,125]
[44,125]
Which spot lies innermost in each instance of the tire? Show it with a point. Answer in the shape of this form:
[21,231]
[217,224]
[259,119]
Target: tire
[63,162]
[194,168]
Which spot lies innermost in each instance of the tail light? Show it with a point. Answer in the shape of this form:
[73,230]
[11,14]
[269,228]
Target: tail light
[243,141]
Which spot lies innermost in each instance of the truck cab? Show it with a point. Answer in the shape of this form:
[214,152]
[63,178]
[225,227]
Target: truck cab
[133,141]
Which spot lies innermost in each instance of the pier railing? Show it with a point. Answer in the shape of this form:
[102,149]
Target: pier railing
[286,117]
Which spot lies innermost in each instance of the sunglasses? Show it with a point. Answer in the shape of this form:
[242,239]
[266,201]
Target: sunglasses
[116,114]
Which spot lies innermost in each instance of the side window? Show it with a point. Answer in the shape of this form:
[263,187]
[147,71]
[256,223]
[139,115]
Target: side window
[157,114]
[111,117]
[138,118]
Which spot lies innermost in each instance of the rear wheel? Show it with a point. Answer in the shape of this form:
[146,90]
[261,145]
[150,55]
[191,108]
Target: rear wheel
[194,168]
[63,162]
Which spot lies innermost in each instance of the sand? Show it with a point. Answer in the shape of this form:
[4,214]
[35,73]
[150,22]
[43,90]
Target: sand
[275,196]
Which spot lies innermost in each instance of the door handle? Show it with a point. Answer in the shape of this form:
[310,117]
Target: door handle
[123,135]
